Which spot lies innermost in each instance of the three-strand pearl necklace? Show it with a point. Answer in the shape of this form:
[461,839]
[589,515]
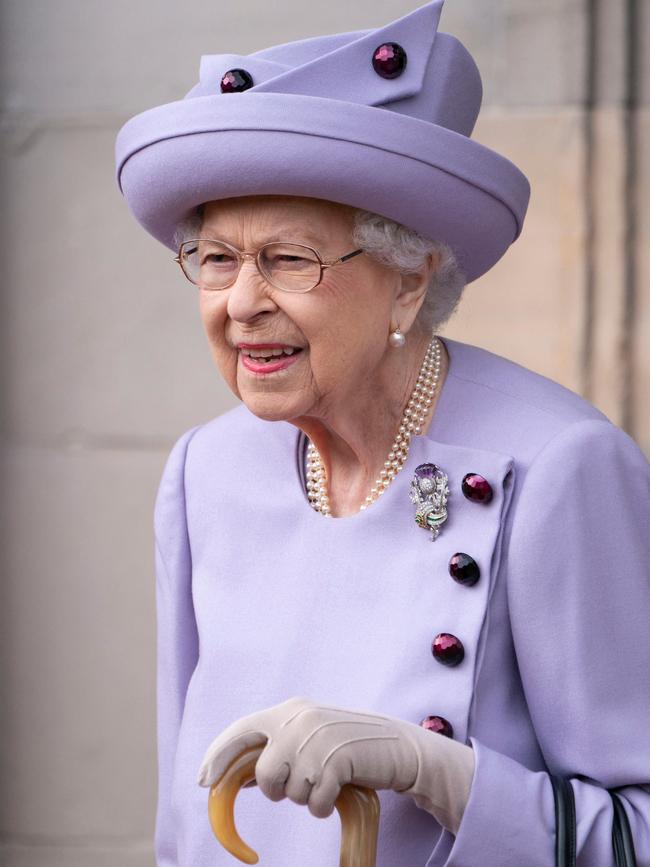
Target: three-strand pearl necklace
[411,424]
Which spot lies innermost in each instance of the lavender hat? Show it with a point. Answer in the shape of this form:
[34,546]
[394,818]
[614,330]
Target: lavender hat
[377,119]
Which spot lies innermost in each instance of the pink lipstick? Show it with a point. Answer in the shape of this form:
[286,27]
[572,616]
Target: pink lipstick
[262,367]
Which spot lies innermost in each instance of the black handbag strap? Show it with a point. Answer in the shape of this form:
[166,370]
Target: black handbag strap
[565,822]
[622,841]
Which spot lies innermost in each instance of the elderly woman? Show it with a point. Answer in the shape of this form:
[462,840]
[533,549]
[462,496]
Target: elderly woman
[402,562]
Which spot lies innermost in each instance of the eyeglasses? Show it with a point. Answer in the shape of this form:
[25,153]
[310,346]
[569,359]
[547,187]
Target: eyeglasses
[214,264]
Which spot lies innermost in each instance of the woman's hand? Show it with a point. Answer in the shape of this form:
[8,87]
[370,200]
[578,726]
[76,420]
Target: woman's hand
[312,750]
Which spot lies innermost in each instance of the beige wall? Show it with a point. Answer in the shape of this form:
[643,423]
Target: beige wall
[104,362]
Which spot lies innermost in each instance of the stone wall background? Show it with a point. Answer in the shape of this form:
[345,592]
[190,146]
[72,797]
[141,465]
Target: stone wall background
[104,363]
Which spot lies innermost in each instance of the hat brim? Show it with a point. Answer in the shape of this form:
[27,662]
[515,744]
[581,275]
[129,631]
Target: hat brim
[442,184]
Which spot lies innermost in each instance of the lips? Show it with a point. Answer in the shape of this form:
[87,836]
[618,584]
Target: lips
[268,350]
[264,358]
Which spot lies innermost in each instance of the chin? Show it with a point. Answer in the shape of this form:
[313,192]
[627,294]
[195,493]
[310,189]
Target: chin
[270,407]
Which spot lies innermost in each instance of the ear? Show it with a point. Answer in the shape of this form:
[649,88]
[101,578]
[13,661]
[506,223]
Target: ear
[411,292]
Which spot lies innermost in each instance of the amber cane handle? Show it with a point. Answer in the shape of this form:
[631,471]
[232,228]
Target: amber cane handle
[358,809]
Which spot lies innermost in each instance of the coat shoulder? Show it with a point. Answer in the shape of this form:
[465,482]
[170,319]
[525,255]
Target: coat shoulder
[506,406]
[518,385]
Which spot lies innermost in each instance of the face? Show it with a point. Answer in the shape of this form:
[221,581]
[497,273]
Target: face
[338,331]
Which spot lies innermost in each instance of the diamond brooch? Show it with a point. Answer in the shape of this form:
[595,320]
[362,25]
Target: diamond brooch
[429,493]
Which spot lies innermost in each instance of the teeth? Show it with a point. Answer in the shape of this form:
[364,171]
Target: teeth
[268,353]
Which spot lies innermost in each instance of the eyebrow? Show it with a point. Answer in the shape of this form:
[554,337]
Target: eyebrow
[278,235]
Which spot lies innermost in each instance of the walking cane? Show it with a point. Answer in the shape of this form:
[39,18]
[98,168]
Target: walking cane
[358,809]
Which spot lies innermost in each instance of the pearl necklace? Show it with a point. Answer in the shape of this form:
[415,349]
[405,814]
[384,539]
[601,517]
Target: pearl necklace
[411,425]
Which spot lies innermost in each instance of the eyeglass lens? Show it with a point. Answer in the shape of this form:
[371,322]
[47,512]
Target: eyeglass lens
[212,265]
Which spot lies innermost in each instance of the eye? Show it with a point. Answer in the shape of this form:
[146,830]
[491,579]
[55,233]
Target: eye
[288,262]
[289,257]
[215,257]
[218,260]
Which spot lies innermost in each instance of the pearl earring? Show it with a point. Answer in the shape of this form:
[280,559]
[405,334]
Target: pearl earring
[396,338]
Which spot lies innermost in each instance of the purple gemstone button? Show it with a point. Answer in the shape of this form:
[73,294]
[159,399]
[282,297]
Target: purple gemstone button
[464,569]
[236,80]
[476,488]
[389,60]
[447,649]
[438,724]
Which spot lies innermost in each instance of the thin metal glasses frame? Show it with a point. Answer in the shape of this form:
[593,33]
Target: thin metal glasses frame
[256,255]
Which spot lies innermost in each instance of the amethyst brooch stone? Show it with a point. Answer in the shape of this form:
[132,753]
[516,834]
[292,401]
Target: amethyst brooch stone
[429,493]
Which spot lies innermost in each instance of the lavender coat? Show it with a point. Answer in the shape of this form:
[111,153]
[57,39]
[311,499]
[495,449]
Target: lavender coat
[260,598]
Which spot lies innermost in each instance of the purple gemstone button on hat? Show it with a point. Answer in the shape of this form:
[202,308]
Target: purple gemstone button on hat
[235,81]
[447,649]
[464,569]
[476,488]
[438,724]
[389,60]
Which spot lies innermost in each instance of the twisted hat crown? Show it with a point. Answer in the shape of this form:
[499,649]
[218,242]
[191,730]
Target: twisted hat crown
[440,82]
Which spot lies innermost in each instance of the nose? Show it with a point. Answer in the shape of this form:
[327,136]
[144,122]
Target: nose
[249,297]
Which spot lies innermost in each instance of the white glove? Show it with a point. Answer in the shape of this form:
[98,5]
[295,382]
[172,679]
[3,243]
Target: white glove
[313,750]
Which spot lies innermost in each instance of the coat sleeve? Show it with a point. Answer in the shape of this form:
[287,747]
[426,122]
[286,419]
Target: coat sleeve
[176,637]
[578,587]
